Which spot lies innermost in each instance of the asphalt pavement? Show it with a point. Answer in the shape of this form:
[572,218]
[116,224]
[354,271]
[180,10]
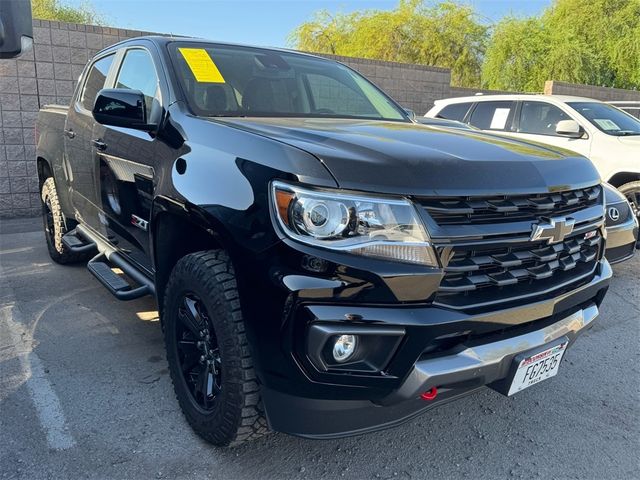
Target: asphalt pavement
[85,393]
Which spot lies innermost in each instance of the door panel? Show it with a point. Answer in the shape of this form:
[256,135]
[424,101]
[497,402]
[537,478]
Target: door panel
[126,160]
[537,123]
[126,188]
[78,132]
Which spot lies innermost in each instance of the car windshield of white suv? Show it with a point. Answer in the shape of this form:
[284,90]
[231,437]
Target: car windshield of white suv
[237,81]
[608,118]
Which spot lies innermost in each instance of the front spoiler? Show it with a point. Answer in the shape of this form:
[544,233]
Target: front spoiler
[455,375]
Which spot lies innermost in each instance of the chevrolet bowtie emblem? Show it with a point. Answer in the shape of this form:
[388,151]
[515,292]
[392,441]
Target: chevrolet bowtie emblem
[552,229]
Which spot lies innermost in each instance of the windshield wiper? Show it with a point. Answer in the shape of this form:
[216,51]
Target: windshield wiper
[627,133]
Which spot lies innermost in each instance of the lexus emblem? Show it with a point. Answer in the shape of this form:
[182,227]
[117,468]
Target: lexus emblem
[614,213]
[553,230]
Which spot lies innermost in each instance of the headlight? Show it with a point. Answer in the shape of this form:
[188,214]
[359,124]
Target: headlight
[375,227]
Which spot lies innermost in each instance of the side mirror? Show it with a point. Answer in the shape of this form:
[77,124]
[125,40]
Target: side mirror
[569,128]
[16,28]
[121,107]
[411,114]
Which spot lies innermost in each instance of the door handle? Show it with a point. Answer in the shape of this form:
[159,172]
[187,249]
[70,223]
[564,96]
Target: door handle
[69,133]
[99,144]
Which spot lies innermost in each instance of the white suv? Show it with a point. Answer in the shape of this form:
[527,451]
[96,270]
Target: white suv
[597,130]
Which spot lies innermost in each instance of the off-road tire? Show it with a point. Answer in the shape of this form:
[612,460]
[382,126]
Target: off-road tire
[237,413]
[54,227]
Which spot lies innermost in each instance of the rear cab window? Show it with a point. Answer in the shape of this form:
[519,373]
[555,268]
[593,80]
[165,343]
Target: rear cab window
[455,111]
[493,115]
[95,81]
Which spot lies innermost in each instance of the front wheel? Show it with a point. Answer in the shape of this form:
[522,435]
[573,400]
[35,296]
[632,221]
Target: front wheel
[208,353]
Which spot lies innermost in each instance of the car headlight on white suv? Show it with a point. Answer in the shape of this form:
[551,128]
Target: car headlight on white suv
[387,228]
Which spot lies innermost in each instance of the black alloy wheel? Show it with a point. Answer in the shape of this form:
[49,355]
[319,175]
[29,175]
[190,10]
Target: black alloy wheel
[198,352]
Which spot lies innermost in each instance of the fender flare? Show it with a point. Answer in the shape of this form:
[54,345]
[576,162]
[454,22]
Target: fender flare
[191,213]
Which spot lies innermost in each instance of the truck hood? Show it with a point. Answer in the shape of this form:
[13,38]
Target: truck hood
[410,159]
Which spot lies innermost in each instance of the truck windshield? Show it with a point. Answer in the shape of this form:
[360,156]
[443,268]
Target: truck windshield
[235,81]
[607,118]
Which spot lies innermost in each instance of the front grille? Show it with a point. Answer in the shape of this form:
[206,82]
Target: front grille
[497,209]
[489,260]
[487,274]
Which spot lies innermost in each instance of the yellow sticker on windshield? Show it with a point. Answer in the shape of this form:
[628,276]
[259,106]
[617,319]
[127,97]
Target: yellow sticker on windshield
[201,65]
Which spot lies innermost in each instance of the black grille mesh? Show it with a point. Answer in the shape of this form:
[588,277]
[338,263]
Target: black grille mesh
[490,267]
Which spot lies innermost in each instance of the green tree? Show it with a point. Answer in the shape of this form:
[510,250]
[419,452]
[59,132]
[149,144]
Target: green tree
[595,42]
[443,35]
[512,61]
[56,10]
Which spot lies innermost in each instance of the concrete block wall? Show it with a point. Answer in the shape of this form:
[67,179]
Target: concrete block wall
[18,110]
[45,75]
[605,94]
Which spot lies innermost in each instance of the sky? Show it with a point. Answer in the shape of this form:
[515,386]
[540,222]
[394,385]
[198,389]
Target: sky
[258,22]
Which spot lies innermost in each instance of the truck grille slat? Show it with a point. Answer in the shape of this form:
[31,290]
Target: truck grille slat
[458,280]
[469,210]
[497,269]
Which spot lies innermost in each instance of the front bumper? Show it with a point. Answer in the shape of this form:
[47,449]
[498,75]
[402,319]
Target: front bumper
[489,362]
[460,371]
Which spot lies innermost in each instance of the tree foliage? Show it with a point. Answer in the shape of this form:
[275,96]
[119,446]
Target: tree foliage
[56,10]
[444,35]
[595,42]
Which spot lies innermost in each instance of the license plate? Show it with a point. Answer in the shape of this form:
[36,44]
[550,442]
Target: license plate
[537,367]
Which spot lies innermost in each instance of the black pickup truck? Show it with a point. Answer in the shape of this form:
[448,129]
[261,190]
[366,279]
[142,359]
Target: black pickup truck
[323,265]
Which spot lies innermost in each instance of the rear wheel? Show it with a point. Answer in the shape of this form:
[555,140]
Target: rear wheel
[54,226]
[207,351]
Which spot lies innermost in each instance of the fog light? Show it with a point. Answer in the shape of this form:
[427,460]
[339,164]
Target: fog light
[344,347]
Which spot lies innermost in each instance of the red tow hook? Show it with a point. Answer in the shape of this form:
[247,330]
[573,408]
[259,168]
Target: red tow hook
[430,394]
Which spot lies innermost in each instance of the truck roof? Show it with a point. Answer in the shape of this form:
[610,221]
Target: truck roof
[162,40]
